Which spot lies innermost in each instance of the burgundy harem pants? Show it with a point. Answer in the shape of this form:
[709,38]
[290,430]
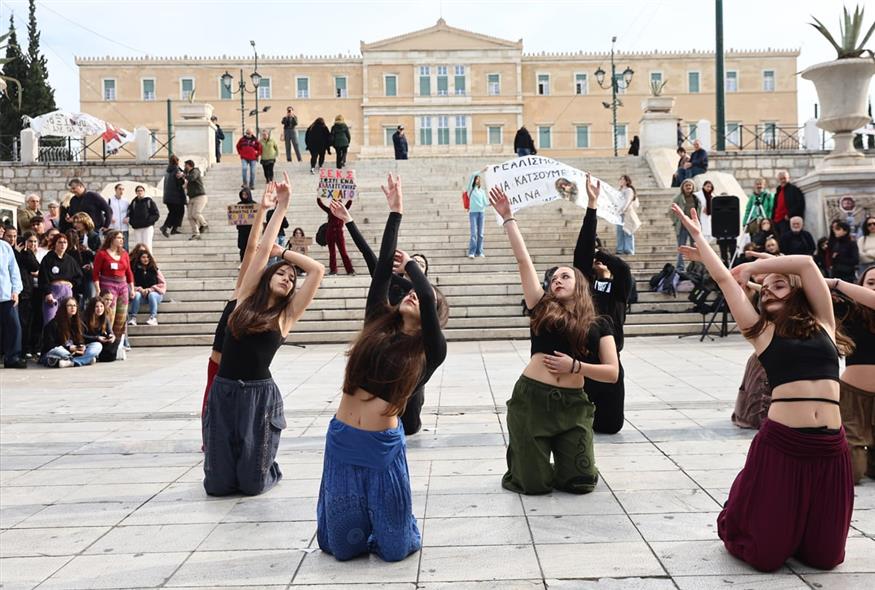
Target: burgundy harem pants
[794,498]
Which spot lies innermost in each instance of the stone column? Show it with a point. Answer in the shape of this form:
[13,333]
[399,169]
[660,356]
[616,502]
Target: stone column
[29,146]
[194,136]
[143,144]
[703,133]
[657,127]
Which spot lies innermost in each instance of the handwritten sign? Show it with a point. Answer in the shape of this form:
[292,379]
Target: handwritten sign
[337,184]
[535,180]
[302,241]
[241,214]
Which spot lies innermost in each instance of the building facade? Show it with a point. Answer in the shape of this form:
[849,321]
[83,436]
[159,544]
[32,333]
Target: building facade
[455,92]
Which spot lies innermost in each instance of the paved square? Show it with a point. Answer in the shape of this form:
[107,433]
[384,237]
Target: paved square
[101,483]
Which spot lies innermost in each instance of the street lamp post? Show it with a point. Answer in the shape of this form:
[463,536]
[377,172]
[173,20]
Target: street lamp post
[242,89]
[618,82]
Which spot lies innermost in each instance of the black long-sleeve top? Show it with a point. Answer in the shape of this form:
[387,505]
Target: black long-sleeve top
[434,343]
[89,202]
[53,268]
[399,286]
[333,221]
[612,295]
[27,265]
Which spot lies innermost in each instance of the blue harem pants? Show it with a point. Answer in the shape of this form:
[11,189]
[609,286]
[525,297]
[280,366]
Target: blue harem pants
[365,503]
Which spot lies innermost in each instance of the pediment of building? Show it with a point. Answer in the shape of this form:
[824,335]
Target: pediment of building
[441,37]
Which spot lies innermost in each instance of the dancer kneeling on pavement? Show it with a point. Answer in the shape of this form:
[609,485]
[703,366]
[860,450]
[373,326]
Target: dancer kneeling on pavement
[795,495]
[398,289]
[549,410]
[244,416]
[64,340]
[610,282]
[364,500]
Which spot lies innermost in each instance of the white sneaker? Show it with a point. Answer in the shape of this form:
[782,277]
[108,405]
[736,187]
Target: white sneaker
[92,361]
[121,355]
[64,363]
[132,322]
[312,171]
[470,256]
[481,256]
[152,321]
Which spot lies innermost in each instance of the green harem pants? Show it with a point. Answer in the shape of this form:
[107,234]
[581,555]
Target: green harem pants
[542,419]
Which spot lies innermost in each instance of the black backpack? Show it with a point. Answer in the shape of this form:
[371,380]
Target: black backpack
[666,280]
[321,235]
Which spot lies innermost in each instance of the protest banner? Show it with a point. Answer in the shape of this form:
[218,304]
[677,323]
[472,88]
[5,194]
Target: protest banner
[241,214]
[336,184]
[534,180]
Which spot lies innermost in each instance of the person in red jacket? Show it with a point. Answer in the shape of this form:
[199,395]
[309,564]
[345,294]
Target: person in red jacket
[335,239]
[112,272]
[249,150]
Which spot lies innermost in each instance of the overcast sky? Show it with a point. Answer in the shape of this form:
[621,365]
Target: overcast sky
[214,27]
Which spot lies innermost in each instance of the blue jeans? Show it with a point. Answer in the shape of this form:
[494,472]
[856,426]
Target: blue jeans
[248,166]
[154,300]
[521,152]
[58,353]
[683,238]
[625,242]
[475,244]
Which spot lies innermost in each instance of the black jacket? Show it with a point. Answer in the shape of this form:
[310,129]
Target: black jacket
[53,268]
[143,212]
[794,198]
[400,143]
[523,139]
[317,139]
[174,194]
[699,159]
[52,338]
[91,203]
[220,135]
[797,243]
[27,264]
[195,183]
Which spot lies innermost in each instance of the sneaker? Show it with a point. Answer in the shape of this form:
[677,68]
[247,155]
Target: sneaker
[20,363]
[332,272]
[203,229]
[470,256]
[132,322]
[64,363]
[175,231]
[93,360]
[194,237]
[121,355]
[152,321]
[164,232]
[481,256]
[312,171]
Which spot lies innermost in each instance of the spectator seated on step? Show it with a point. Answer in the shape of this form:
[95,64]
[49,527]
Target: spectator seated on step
[149,286]
[64,339]
[698,163]
[797,240]
[97,327]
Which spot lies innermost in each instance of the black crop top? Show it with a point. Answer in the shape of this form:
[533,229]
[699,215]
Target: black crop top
[249,358]
[548,341]
[864,342]
[378,303]
[219,336]
[793,359]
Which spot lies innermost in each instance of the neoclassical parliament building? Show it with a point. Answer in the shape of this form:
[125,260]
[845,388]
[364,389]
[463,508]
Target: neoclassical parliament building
[455,92]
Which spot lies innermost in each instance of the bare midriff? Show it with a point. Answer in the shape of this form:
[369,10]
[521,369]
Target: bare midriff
[861,377]
[538,371]
[365,412]
[804,414]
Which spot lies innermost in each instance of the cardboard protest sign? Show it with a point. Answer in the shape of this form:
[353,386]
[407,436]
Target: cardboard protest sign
[241,214]
[535,180]
[302,241]
[336,184]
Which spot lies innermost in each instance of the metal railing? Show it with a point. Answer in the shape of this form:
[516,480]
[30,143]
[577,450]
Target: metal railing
[763,137]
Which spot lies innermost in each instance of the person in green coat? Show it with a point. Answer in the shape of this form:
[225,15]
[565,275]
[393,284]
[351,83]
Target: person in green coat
[760,205]
[340,140]
[269,152]
[686,200]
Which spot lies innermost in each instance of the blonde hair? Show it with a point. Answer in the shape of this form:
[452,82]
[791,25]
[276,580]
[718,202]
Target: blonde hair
[338,119]
[85,219]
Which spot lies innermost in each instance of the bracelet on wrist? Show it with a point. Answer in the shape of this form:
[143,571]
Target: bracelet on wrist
[508,220]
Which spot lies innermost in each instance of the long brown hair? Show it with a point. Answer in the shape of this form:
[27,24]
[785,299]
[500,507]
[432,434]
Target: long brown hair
[383,354]
[69,327]
[862,314]
[93,321]
[574,320]
[254,314]
[108,239]
[795,319]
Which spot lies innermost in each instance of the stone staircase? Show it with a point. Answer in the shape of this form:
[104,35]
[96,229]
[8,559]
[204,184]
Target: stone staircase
[484,293]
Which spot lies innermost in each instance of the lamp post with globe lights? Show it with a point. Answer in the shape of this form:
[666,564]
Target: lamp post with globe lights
[617,82]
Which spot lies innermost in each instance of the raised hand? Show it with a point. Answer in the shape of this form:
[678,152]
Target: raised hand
[284,191]
[593,191]
[276,251]
[268,199]
[690,253]
[690,222]
[339,211]
[743,273]
[498,200]
[392,190]
[400,261]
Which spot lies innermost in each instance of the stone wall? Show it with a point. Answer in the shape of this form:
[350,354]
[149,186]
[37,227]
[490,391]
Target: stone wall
[49,180]
[747,166]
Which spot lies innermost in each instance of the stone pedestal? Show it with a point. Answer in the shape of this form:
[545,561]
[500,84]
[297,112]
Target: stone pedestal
[824,190]
[194,137]
[143,144]
[703,134]
[29,146]
[657,127]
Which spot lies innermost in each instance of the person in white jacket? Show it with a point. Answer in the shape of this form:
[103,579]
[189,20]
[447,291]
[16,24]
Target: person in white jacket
[630,222]
[866,244]
[704,195]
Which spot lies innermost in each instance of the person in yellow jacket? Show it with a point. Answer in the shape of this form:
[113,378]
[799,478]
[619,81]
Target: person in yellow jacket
[269,153]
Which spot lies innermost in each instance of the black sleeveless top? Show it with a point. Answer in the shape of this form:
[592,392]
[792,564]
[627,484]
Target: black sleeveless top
[249,358]
[793,359]
[864,341]
[549,341]
[219,336]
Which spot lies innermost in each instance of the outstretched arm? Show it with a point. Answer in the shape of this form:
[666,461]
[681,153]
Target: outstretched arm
[267,201]
[343,213]
[584,250]
[532,290]
[378,294]
[265,246]
[322,205]
[742,309]
[622,284]
[858,293]
[307,292]
[432,337]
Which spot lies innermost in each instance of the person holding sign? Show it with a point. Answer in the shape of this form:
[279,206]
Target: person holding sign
[795,495]
[335,239]
[244,417]
[549,410]
[365,502]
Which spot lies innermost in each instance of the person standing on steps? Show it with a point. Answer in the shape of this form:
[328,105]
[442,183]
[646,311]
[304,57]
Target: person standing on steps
[340,139]
[477,205]
[220,137]
[399,142]
[243,231]
[789,202]
[317,141]
[120,205]
[686,200]
[197,200]
[85,201]
[335,240]
[249,150]
[174,197]
[143,214]
[629,221]
[290,134]
[269,153]
[523,144]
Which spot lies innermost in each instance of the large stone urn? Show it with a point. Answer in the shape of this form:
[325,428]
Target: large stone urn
[842,90]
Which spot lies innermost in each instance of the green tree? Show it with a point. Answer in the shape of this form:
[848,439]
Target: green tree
[39,97]
[15,67]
